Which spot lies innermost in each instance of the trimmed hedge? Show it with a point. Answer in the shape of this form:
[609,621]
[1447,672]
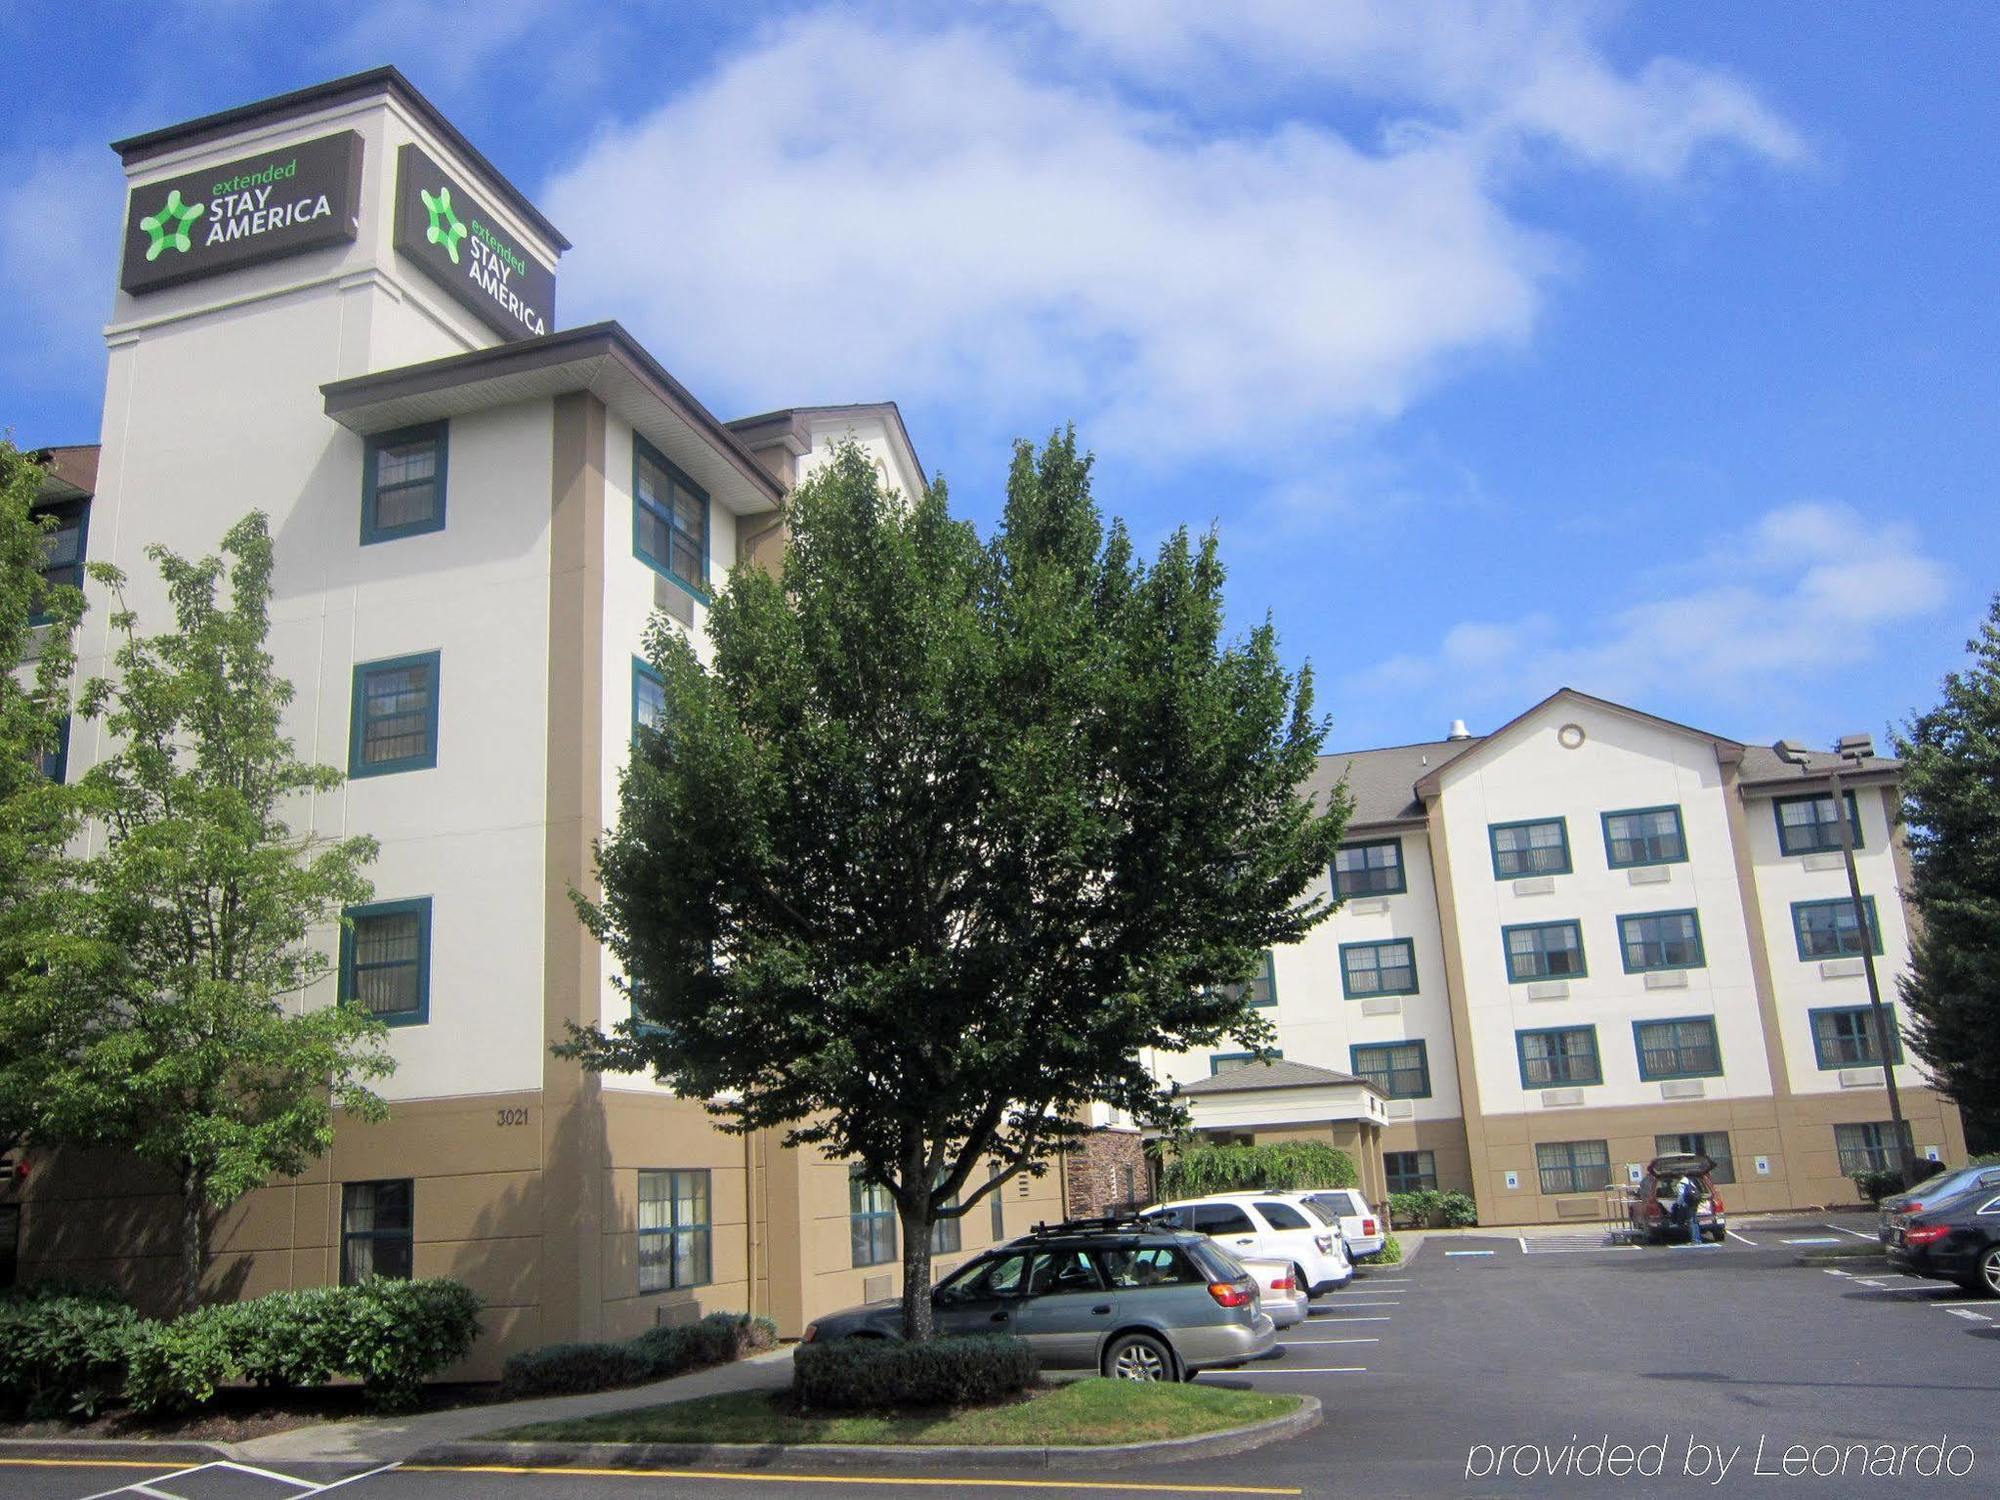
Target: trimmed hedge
[389,1335]
[1392,1252]
[1286,1166]
[1428,1208]
[63,1355]
[870,1374]
[656,1354]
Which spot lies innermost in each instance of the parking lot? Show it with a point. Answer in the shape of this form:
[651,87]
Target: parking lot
[1487,1356]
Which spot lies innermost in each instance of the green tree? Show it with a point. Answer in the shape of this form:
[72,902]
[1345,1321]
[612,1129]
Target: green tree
[183,1034]
[949,835]
[38,622]
[1951,794]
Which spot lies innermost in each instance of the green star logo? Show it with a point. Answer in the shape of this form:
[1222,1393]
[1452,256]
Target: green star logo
[445,229]
[170,225]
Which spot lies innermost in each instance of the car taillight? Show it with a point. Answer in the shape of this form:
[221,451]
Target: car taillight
[1653,1209]
[1911,1208]
[1281,1283]
[811,1333]
[1925,1234]
[1367,1227]
[1229,1293]
[1715,1200]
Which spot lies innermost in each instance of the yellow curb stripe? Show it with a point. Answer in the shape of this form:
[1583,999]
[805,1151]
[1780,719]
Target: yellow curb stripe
[764,1476]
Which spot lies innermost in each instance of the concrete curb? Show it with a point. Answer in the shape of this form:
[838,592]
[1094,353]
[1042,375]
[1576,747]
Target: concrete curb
[779,1456]
[165,1452]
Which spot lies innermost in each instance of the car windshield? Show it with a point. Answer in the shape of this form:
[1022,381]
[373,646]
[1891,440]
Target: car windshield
[1320,1211]
[996,1276]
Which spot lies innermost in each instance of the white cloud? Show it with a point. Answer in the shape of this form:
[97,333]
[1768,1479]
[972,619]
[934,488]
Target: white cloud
[1805,589]
[58,264]
[848,209]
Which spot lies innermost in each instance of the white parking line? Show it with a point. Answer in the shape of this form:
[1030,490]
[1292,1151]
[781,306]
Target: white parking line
[1524,1242]
[1960,1312]
[1299,1343]
[1309,1370]
[1829,1270]
[1478,1252]
[1746,1240]
[1346,1318]
[1975,1302]
[1855,1232]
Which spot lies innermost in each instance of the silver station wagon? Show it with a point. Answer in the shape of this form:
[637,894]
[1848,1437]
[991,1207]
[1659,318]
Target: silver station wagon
[1129,1300]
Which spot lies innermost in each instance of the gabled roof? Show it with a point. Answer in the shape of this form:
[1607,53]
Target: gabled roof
[67,473]
[1275,1075]
[1727,751]
[791,425]
[1382,782]
[1763,771]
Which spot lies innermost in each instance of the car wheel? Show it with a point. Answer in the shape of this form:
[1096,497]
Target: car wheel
[1139,1356]
[1300,1284]
[1989,1272]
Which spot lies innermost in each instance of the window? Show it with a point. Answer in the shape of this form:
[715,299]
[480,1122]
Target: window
[1871,1147]
[1560,1055]
[1401,1070]
[1220,1218]
[1155,1265]
[402,484]
[997,1206]
[62,548]
[395,716]
[1543,950]
[669,520]
[1070,1269]
[673,1230]
[1386,968]
[944,1232]
[1660,940]
[1807,825]
[1827,929]
[871,1219]
[1644,836]
[55,760]
[385,960]
[1574,1166]
[1128,1186]
[1410,1171]
[1223,1062]
[1371,869]
[375,1233]
[1261,988]
[1713,1144]
[1000,1276]
[1282,1215]
[1849,1038]
[1681,1048]
[649,698]
[1533,848]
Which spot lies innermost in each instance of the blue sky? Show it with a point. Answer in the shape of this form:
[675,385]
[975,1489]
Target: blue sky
[1647,350]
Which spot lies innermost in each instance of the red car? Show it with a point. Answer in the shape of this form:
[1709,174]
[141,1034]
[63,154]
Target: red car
[1677,1200]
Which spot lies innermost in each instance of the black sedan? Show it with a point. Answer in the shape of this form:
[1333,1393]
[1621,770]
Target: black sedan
[1956,1240]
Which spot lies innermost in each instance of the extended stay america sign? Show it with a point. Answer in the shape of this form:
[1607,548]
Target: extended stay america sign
[449,233]
[280,202]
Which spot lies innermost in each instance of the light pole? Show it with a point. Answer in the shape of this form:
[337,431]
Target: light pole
[1856,748]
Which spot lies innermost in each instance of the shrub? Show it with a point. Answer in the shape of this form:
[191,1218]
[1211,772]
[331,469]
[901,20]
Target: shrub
[389,1335]
[868,1374]
[1392,1252]
[64,1355]
[1458,1210]
[1418,1210]
[656,1354]
[64,1289]
[1875,1184]
[1288,1166]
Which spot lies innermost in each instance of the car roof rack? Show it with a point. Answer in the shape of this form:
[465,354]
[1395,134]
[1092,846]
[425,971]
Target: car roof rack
[1112,1222]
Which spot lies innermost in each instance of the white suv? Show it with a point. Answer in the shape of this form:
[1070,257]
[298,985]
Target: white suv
[1360,1225]
[1264,1225]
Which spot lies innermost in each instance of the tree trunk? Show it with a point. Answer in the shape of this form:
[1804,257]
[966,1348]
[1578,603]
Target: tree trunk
[916,1227]
[194,1229]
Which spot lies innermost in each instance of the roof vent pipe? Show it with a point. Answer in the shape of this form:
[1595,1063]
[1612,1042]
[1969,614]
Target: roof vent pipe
[1459,731]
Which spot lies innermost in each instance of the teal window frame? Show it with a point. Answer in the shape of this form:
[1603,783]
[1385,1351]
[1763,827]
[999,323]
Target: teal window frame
[1402,869]
[1356,1052]
[55,762]
[1347,988]
[1826,831]
[643,453]
[1494,830]
[946,1235]
[1611,841]
[1679,1047]
[1876,1150]
[689,1238]
[1582,970]
[643,673]
[1413,1171]
[64,511]
[1248,987]
[1834,903]
[1571,1165]
[1216,1059]
[350,965]
[375,1233]
[357,726]
[1865,1015]
[1699,961]
[1521,1039]
[372,488]
[871,1221]
[996,1205]
[1713,1144]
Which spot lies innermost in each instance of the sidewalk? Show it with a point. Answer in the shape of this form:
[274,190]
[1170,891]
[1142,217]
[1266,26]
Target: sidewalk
[383,1440]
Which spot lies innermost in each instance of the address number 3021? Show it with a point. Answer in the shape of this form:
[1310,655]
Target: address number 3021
[510,1117]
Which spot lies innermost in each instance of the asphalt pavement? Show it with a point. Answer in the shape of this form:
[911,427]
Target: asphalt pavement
[1472,1372]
